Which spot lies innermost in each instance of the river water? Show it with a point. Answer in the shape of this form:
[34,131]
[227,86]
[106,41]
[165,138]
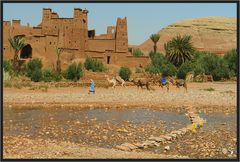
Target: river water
[98,127]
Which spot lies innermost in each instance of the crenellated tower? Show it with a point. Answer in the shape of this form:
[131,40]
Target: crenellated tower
[121,35]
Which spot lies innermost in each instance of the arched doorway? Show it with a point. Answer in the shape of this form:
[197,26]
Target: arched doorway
[26,52]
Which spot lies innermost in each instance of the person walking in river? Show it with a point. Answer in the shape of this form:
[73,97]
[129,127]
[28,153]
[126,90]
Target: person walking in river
[92,87]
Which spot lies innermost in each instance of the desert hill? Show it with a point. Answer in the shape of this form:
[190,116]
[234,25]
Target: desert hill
[213,34]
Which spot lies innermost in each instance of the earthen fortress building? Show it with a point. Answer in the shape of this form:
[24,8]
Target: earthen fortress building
[73,35]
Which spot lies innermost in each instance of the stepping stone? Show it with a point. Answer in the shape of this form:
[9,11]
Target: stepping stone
[183,131]
[176,132]
[166,137]
[167,148]
[139,145]
[157,139]
[172,135]
[123,148]
[149,143]
[130,146]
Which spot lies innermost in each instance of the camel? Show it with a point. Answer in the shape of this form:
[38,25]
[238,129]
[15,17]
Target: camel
[120,80]
[189,77]
[111,81]
[162,85]
[141,82]
[179,83]
[203,78]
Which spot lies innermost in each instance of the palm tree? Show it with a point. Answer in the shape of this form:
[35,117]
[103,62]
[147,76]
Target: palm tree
[17,43]
[58,51]
[155,38]
[179,49]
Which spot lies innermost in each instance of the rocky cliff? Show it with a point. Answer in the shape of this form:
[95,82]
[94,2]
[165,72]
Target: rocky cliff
[213,34]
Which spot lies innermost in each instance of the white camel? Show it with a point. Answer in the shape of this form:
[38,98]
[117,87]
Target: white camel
[120,80]
[111,81]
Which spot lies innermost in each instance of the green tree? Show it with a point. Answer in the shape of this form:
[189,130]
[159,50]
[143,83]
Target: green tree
[184,69]
[168,69]
[33,65]
[17,43]
[179,49]
[58,51]
[36,75]
[157,59]
[155,38]
[125,73]
[94,65]
[231,59]
[74,71]
[137,52]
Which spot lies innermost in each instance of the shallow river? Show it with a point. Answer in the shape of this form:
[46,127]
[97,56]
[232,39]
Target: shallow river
[99,127]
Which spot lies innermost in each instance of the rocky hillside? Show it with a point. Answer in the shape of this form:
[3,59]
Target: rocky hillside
[213,34]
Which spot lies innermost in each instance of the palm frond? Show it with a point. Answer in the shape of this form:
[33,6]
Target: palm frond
[155,37]
[179,49]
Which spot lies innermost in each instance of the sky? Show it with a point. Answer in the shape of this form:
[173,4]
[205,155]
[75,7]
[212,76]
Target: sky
[143,19]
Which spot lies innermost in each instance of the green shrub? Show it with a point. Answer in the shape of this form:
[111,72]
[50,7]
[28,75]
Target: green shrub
[74,71]
[152,69]
[57,77]
[125,73]
[137,52]
[94,65]
[6,76]
[198,70]
[49,75]
[185,68]
[168,69]
[231,60]
[157,59]
[8,66]
[160,64]
[36,75]
[209,62]
[32,66]
[215,65]
[222,71]
[139,70]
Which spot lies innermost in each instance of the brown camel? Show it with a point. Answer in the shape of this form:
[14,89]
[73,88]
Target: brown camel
[141,82]
[179,83]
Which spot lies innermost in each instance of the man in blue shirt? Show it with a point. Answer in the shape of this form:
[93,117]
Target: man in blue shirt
[164,82]
[92,87]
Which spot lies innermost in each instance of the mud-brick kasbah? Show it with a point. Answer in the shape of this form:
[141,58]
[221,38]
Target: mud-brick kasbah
[73,35]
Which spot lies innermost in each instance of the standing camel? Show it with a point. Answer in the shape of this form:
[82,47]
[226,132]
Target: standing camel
[111,81]
[141,82]
[179,83]
[120,80]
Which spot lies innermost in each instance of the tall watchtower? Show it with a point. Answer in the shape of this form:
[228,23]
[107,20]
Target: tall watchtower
[121,35]
[46,14]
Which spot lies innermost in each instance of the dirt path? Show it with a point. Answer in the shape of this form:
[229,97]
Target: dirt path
[206,96]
